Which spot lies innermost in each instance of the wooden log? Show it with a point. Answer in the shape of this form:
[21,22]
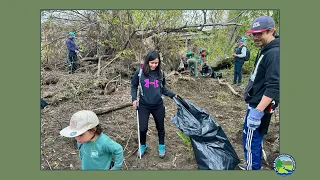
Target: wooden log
[225,63]
[94,58]
[230,87]
[99,111]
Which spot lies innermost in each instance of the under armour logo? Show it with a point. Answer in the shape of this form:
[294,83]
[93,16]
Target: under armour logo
[256,24]
[147,83]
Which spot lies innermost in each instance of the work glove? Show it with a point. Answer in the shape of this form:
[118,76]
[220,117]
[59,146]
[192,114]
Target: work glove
[254,118]
[76,51]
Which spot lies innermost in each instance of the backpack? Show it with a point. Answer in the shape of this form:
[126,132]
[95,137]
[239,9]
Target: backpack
[216,75]
[139,75]
[247,57]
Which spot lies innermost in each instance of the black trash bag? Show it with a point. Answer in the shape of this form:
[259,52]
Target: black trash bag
[212,149]
[43,103]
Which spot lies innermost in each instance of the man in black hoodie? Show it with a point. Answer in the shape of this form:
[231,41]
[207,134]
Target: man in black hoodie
[262,91]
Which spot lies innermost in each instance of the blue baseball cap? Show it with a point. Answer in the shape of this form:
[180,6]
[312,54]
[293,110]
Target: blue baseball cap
[261,24]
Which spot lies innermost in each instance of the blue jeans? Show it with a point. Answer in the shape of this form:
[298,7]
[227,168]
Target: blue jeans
[237,71]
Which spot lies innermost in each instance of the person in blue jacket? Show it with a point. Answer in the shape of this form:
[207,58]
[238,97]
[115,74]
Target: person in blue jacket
[151,81]
[72,52]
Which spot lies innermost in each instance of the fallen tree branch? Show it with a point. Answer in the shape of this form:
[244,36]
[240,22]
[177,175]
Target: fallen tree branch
[49,94]
[101,70]
[185,29]
[113,108]
[132,153]
[48,163]
[127,142]
[112,80]
[124,161]
[230,87]
[94,58]
[190,26]
[110,62]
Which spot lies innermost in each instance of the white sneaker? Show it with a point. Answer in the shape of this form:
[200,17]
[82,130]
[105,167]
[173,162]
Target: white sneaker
[242,166]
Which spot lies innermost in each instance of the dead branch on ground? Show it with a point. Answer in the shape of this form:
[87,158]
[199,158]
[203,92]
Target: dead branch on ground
[229,86]
[113,108]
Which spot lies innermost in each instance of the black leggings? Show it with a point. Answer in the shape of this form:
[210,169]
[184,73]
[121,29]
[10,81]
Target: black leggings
[158,114]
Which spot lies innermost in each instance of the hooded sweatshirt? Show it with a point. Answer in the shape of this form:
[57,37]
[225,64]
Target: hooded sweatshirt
[151,87]
[265,76]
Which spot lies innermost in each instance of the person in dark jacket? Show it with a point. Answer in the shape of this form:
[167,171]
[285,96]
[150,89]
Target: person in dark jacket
[72,52]
[152,84]
[262,91]
[239,55]
[206,70]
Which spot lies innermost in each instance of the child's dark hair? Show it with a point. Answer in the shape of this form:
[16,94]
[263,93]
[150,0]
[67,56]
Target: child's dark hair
[152,55]
[98,129]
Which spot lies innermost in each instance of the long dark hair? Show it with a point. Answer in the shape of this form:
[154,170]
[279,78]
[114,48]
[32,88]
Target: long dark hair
[152,55]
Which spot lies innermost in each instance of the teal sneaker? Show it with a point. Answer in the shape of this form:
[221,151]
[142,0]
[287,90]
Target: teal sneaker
[162,150]
[143,149]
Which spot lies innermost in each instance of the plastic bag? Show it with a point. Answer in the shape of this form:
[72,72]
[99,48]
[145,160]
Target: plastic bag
[212,149]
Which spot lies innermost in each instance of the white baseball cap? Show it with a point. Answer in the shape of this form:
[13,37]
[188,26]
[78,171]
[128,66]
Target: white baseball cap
[80,122]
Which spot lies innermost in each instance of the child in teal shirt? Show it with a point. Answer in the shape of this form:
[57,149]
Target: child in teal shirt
[97,150]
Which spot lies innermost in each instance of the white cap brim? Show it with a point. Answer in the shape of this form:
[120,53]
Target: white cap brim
[68,132]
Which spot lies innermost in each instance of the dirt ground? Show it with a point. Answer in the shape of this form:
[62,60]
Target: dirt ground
[68,93]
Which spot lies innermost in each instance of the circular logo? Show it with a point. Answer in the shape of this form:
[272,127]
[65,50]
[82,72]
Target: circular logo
[73,133]
[284,165]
